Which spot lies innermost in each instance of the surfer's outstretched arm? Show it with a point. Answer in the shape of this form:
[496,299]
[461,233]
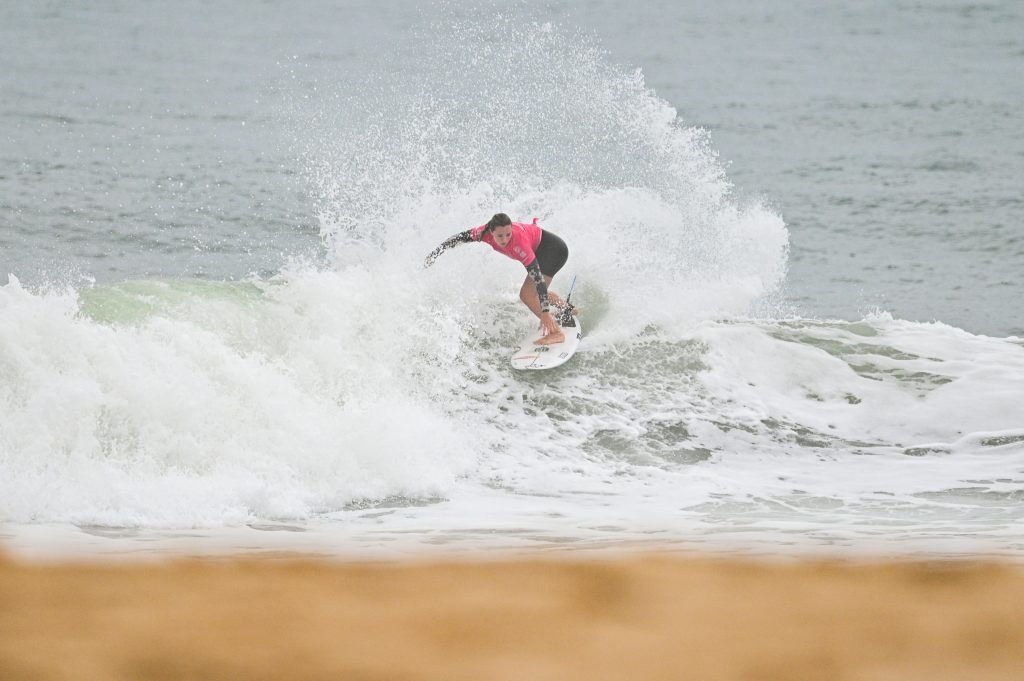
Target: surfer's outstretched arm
[450,242]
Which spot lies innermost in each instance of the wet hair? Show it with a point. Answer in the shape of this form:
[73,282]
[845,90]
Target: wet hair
[499,220]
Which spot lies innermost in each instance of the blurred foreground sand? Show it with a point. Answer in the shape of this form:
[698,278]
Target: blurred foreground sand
[630,617]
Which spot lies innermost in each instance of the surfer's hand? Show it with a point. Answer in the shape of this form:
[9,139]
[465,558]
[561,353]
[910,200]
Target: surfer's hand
[429,260]
[548,325]
[550,332]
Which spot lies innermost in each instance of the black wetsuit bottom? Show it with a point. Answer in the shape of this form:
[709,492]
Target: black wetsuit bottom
[551,253]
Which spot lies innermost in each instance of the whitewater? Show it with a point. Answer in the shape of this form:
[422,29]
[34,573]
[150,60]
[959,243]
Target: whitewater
[350,402]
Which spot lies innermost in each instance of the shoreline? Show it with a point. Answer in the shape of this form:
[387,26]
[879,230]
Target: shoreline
[631,615]
[76,543]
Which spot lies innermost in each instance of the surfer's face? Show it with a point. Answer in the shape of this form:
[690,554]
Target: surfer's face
[502,235]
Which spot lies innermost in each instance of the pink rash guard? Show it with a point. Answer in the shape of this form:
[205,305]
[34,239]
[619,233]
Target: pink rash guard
[522,246]
[526,238]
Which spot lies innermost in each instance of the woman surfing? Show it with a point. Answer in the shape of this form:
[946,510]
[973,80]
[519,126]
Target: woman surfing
[541,252]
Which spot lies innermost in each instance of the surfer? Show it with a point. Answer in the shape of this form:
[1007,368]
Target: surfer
[541,252]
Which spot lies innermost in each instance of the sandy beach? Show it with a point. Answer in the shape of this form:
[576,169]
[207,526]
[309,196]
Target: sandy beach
[642,617]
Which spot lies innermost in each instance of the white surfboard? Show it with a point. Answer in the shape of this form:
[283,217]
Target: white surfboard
[533,356]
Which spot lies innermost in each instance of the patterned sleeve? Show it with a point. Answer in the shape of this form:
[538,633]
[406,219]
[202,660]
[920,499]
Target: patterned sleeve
[533,269]
[451,242]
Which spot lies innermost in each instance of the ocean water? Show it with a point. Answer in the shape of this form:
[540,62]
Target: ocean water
[796,230]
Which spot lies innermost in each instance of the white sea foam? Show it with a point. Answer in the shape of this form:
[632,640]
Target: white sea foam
[296,401]
[262,409]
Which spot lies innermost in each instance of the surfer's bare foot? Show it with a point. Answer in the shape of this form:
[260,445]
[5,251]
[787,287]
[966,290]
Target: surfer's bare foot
[550,339]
